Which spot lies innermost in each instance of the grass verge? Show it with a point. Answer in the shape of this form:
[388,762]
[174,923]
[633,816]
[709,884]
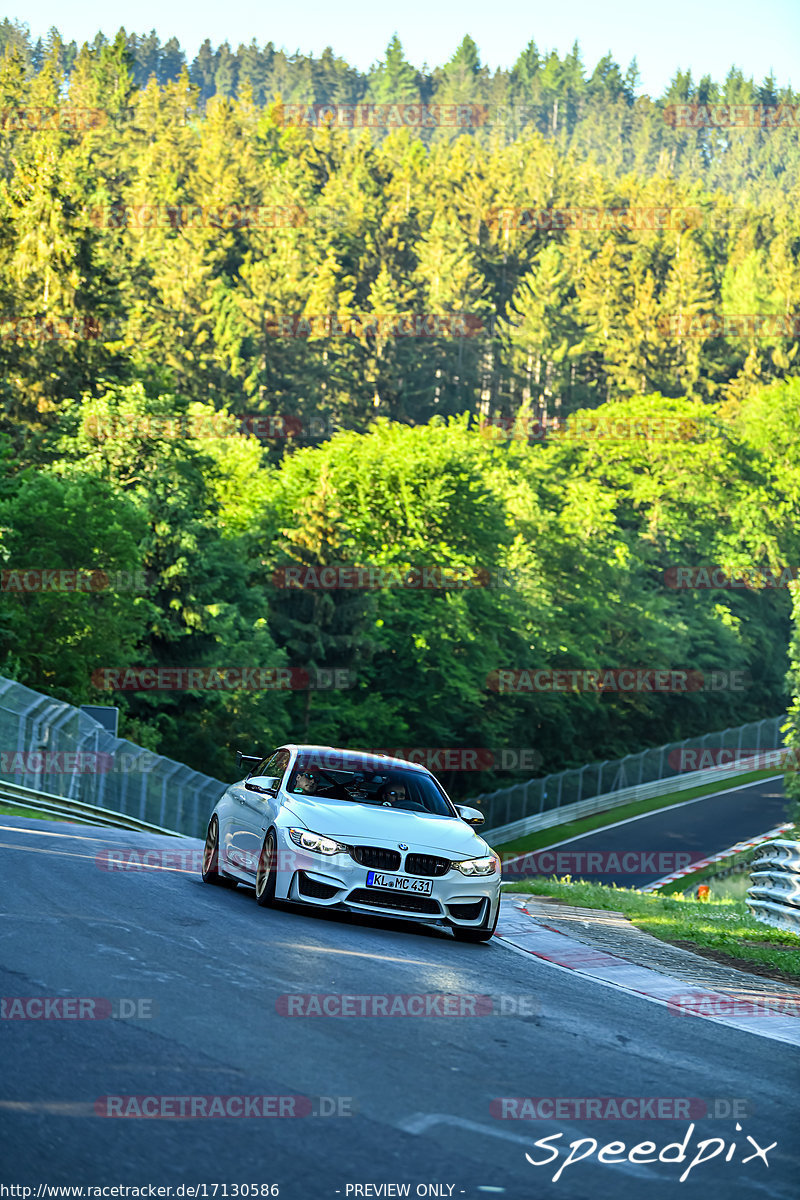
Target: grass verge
[705,874]
[8,810]
[720,929]
[541,838]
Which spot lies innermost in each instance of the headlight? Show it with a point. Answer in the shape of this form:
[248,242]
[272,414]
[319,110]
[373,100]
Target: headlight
[479,866]
[307,840]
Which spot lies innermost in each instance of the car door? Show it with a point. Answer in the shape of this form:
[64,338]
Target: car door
[259,805]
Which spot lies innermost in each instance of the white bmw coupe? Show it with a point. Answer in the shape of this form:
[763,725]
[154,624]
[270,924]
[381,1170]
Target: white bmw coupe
[361,832]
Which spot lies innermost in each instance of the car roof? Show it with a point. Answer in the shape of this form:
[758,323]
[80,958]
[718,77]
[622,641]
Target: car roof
[366,758]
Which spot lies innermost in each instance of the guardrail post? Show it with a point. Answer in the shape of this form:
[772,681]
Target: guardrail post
[143,796]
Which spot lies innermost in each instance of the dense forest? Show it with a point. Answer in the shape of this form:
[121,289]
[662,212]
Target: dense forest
[263,314]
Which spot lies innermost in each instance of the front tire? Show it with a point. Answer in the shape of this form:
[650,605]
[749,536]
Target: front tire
[483,933]
[266,874]
[211,871]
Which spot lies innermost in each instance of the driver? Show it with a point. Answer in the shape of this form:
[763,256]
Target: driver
[394,795]
[305,783]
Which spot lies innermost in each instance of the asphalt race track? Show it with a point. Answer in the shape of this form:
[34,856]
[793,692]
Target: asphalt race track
[204,969]
[697,828]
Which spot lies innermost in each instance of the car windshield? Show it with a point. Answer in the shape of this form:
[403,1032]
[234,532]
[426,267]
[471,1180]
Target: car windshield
[335,776]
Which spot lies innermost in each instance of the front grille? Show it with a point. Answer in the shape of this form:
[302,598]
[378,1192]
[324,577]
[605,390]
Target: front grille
[426,864]
[467,912]
[377,857]
[314,888]
[401,901]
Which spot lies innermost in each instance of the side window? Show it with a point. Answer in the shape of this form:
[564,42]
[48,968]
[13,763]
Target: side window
[274,767]
[279,764]
[262,768]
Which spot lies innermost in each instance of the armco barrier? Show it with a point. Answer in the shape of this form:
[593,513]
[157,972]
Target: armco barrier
[601,785]
[646,791]
[52,749]
[774,894]
[44,804]
[38,734]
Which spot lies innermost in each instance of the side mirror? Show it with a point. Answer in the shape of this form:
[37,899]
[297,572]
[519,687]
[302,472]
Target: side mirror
[264,785]
[472,816]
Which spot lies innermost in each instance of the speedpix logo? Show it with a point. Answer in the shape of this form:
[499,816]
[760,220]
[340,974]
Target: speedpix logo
[614,1153]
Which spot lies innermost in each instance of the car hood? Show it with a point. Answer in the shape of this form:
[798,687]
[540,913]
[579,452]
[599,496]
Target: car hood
[367,824]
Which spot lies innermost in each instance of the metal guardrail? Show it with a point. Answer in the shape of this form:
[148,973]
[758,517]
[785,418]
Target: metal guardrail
[774,894]
[598,781]
[49,747]
[610,800]
[59,806]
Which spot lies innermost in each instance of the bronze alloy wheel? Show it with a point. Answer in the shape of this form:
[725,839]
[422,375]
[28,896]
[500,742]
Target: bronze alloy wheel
[211,872]
[265,873]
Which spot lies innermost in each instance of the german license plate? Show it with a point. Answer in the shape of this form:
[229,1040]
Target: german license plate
[400,883]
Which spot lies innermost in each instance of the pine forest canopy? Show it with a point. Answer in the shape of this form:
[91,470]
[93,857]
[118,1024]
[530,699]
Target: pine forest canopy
[238,339]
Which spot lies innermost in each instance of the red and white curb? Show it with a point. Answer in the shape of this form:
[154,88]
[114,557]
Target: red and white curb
[699,863]
[518,930]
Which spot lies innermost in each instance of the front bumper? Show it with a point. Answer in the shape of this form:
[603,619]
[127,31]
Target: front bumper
[338,881]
